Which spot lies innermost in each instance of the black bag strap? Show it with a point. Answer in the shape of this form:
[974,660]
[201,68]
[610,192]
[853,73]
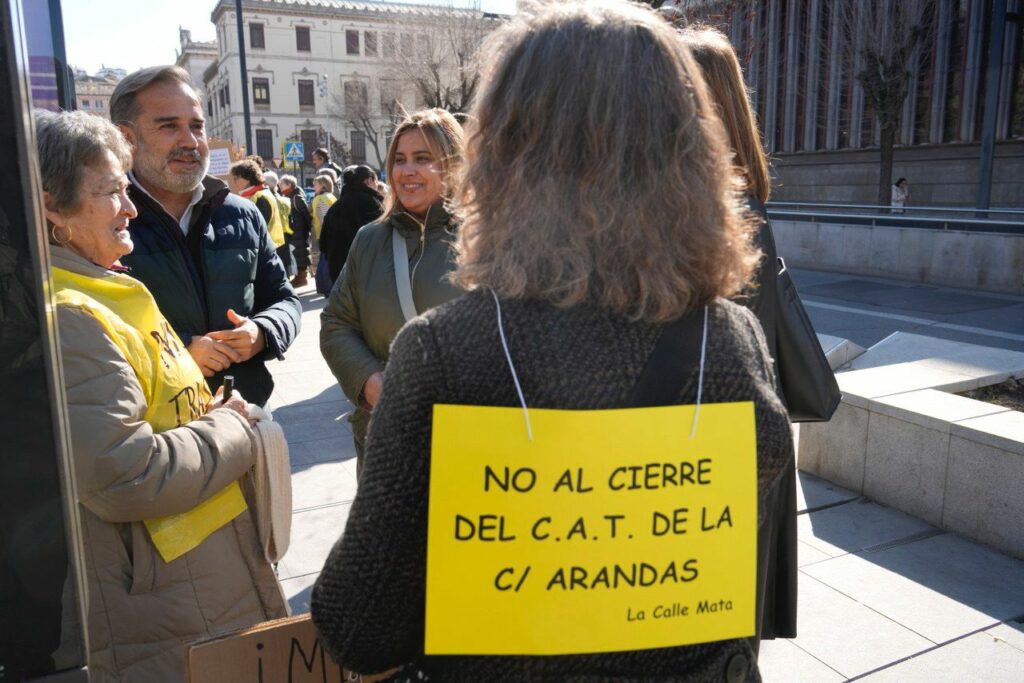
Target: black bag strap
[676,354]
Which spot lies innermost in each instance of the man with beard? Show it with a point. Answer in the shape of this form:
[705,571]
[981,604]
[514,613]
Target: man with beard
[203,253]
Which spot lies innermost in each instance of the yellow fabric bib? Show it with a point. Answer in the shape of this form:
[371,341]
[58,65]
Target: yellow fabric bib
[172,383]
[318,200]
[285,205]
[278,221]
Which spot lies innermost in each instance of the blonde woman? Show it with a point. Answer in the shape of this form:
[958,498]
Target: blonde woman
[597,206]
[777,580]
[365,309]
[323,185]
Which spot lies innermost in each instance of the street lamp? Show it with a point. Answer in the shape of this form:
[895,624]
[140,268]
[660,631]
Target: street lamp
[327,113]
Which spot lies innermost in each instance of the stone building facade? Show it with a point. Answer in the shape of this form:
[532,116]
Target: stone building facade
[818,125]
[92,93]
[320,70]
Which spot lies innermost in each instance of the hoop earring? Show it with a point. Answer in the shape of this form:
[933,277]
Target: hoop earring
[63,243]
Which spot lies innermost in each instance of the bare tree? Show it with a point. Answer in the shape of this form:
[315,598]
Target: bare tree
[436,55]
[881,37]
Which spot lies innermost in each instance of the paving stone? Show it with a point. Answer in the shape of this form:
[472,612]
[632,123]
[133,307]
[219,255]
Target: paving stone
[302,413]
[846,635]
[320,484]
[807,554]
[813,493]
[327,428]
[313,535]
[780,661]
[941,587]
[855,526]
[299,592]
[906,466]
[1010,632]
[979,657]
[932,408]
[332,449]
[1003,430]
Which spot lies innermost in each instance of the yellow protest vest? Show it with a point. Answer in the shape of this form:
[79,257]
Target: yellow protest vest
[278,220]
[285,206]
[172,384]
[318,205]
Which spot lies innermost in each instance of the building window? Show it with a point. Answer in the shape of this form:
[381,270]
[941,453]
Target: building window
[265,143]
[302,39]
[309,140]
[357,99]
[306,97]
[370,43]
[261,91]
[256,38]
[388,45]
[209,107]
[422,46]
[358,147]
[406,44]
[227,95]
[222,98]
[351,42]
[99,104]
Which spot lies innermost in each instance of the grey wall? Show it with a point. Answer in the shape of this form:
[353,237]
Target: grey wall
[986,261]
[939,175]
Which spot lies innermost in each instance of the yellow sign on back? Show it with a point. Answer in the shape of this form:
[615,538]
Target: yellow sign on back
[611,530]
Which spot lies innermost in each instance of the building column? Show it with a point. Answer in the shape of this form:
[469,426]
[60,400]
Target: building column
[835,75]
[811,81]
[792,46]
[972,69]
[940,69]
[771,94]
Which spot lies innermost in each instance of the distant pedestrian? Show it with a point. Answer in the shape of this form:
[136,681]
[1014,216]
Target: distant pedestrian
[286,250]
[248,180]
[323,185]
[900,195]
[301,222]
[322,159]
[365,308]
[360,204]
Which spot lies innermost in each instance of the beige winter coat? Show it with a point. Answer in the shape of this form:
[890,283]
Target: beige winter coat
[142,610]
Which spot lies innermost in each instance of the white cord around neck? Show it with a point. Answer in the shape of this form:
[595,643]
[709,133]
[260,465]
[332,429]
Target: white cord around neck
[512,368]
[700,376]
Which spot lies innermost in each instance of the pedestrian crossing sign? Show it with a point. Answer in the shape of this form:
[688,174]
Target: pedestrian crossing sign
[293,151]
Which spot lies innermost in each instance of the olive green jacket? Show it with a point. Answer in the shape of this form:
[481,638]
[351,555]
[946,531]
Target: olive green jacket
[363,315]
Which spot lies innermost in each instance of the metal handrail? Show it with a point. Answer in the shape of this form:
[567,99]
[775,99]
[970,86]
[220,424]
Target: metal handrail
[889,209]
[805,212]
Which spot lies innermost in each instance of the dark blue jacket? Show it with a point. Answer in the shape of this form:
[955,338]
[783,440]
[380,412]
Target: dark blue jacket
[226,261]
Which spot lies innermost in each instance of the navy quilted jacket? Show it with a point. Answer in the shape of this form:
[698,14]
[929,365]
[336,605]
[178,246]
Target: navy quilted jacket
[226,261]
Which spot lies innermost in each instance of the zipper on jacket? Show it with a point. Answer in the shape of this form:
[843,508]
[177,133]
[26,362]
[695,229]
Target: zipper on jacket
[423,242]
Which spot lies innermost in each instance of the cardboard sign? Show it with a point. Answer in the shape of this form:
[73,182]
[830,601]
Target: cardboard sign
[611,530]
[220,161]
[280,651]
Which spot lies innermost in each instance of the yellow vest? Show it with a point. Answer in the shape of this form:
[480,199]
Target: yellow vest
[278,221]
[172,384]
[318,202]
[285,205]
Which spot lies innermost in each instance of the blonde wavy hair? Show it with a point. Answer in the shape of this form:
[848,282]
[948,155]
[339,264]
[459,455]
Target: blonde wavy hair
[717,60]
[596,168]
[446,140]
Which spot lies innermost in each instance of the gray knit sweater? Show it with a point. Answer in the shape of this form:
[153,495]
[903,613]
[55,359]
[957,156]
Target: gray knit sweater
[368,603]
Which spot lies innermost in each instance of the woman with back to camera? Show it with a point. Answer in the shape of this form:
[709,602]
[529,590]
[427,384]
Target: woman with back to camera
[148,440]
[598,207]
[777,583]
[365,309]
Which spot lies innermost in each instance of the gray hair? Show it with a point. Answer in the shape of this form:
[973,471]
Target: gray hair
[69,141]
[123,105]
[270,179]
[290,179]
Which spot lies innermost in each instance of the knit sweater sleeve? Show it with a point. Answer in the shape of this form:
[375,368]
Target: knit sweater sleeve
[368,603]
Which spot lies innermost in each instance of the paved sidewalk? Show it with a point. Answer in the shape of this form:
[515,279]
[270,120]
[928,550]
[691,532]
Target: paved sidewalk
[883,596]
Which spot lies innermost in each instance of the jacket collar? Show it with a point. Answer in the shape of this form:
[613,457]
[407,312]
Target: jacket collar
[62,257]
[438,220]
[215,191]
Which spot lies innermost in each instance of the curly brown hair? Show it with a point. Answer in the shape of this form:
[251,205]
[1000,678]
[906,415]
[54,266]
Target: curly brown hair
[604,179]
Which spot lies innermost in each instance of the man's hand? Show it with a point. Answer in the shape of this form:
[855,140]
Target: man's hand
[372,388]
[211,355]
[246,339]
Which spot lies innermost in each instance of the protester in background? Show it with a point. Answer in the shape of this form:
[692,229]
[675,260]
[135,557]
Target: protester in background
[286,251]
[900,195]
[777,580]
[148,439]
[246,179]
[323,185]
[360,203]
[301,224]
[364,311]
[203,253]
[322,161]
[613,217]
